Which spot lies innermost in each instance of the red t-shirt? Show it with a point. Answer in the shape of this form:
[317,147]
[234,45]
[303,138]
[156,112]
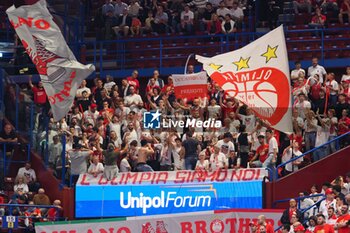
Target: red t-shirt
[269,229]
[39,95]
[343,129]
[133,82]
[316,19]
[343,219]
[52,214]
[263,148]
[326,228]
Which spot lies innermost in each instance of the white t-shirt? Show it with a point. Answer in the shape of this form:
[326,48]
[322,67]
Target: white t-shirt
[248,121]
[273,145]
[78,161]
[202,166]
[187,16]
[334,84]
[302,106]
[322,136]
[214,111]
[226,147]
[28,174]
[295,73]
[96,167]
[320,70]
[109,86]
[312,127]
[91,117]
[238,13]
[325,205]
[288,156]
[132,101]
[218,161]
[222,12]
[21,188]
[345,77]
[124,165]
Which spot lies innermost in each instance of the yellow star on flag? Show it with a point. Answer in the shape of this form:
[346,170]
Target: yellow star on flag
[270,53]
[242,63]
[215,67]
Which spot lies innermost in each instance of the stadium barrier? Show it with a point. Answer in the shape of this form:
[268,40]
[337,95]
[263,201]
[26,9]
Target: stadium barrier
[18,216]
[225,221]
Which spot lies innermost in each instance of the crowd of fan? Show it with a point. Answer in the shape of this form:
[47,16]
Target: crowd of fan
[105,132]
[116,18]
[156,17]
[312,212]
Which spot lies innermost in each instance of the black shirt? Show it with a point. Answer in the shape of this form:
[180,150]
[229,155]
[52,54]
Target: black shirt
[190,145]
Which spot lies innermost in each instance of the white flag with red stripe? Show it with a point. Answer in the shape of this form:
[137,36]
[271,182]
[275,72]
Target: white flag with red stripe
[257,75]
[190,85]
[60,72]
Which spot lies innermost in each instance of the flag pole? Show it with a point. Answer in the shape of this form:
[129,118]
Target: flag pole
[188,59]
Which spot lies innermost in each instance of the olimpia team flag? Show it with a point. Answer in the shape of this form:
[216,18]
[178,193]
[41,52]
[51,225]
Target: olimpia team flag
[59,70]
[257,75]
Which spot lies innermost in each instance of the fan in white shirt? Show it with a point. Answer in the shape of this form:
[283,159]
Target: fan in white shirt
[95,167]
[328,202]
[346,76]
[316,69]
[290,153]
[133,101]
[295,74]
[218,159]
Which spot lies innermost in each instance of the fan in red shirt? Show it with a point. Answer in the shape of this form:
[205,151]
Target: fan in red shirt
[344,123]
[39,92]
[54,213]
[263,226]
[322,227]
[261,152]
[343,221]
[132,80]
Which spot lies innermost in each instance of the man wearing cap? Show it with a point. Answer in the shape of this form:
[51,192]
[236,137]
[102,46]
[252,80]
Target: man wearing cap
[328,202]
[322,226]
[91,115]
[261,153]
[343,222]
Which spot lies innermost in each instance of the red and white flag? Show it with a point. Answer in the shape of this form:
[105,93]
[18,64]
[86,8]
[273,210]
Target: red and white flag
[60,72]
[257,75]
[190,85]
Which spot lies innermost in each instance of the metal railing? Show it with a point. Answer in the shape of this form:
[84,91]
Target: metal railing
[303,211]
[276,175]
[9,210]
[6,157]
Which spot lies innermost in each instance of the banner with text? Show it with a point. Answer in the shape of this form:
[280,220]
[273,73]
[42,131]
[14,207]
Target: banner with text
[190,85]
[150,193]
[228,221]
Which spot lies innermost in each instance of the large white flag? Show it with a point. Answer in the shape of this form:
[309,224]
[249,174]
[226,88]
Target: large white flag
[257,75]
[59,70]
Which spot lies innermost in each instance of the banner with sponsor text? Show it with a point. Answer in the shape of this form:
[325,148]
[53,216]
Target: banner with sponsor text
[59,70]
[228,221]
[188,86]
[150,193]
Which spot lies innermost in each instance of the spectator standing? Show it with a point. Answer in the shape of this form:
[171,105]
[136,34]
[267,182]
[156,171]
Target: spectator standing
[237,14]
[268,228]
[305,203]
[187,18]
[133,100]
[273,149]
[315,68]
[302,5]
[261,153]
[333,89]
[289,212]
[218,160]
[328,202]
[243,147]
[222,10]
[39,93]
[108,6]
[191,150]
[79,159]
[119,7]
[290,152]
[55,151]
[81,89]
[30,177]
[295,73]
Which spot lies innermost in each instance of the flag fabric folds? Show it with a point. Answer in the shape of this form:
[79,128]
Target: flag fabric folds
[257,75]
[58,68]
[190,85]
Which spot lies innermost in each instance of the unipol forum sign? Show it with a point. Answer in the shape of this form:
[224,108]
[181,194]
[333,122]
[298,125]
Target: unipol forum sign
[227,221]
[150,193]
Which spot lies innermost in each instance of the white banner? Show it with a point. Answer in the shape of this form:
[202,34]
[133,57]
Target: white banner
[59,70]
[257,75]
[230,221]
[176,177]
[190,85]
